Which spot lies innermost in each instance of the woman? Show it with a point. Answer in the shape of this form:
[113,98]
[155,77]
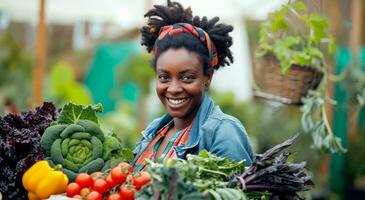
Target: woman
[186,51]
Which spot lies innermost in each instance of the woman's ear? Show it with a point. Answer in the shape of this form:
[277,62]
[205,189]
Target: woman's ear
[208,79]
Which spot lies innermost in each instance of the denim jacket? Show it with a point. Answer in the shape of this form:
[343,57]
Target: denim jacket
[212,130]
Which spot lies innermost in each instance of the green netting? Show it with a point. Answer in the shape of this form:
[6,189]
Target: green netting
[101,77]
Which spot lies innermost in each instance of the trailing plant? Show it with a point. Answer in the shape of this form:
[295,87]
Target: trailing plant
[304,47]
[301,47]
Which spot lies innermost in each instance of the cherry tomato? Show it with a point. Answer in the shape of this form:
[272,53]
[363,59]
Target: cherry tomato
[96,175]
[115,196]
[141,179]
[73,189]
[94,195]
[100,185]
[119,175]
[109,180]
[77,197]
[84,180]
[125,165]
[84,192]
[126,192]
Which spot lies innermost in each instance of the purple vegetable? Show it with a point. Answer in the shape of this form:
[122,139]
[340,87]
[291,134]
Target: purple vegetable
[20,148]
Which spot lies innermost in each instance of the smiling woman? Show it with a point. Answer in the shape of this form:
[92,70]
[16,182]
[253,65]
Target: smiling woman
[187,50]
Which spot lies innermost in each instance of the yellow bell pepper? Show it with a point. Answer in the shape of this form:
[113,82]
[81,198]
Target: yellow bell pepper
[41,180]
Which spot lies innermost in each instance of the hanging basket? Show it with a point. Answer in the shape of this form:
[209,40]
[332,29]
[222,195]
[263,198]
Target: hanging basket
[287,88]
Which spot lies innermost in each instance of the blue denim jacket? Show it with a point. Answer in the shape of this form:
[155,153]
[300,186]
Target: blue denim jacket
[212,130]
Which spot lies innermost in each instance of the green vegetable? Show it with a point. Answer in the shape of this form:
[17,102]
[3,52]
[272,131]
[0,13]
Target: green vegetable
[64,146]
[71,113]
[78,144]
[79,150]
[92,128]
[70,174]
[81,135]
[207,176]
[111,144]
[56,153]
[97,148]
[93,166]
[71,129]
[49,135]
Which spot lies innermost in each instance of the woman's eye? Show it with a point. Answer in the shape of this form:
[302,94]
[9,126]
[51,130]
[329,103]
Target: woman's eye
[187,78]
[163,78]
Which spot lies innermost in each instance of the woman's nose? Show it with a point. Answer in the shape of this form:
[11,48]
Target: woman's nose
[174,87]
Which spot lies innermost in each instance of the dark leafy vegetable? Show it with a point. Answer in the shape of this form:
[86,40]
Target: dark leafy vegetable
[207,176]
[274,174]
[20,146]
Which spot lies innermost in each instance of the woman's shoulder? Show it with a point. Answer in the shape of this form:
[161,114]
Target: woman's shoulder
[218,116]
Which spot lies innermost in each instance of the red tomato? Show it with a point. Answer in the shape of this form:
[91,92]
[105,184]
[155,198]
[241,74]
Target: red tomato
[96,175]
[77,197]
[94,195]
[141,179]
[84,192]
[73,189]
[84,180]
[100,185]
[114,196]
[125,165]
[109,180]
[118,174]
[126,192]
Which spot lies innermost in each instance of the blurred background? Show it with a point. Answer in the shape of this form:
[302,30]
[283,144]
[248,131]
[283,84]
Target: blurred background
[88,51]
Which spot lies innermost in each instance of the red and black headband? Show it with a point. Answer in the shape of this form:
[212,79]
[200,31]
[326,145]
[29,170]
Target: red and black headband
[195,31]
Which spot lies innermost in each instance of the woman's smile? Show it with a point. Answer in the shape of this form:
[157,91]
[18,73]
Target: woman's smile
[181,83]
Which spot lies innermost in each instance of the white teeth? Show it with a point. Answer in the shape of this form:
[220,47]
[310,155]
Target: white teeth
[176,101]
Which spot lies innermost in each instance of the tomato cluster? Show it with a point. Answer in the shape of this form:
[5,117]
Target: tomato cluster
[117,184]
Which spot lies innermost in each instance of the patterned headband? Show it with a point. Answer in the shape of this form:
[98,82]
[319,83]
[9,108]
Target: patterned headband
[195,31]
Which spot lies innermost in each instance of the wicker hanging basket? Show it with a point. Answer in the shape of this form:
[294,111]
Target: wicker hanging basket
[287,88]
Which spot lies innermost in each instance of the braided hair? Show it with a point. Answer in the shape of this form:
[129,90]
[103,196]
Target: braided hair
[173,13]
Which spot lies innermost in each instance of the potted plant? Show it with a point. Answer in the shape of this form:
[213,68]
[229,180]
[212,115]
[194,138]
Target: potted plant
[291,42]
[292,48]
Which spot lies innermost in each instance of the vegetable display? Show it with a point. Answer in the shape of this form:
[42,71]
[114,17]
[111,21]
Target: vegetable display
[20,147]
[119,183]
[41,181]
[72,147]
[207,176]
[77,142]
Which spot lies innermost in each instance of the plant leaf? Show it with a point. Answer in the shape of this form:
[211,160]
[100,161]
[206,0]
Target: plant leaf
[71,113]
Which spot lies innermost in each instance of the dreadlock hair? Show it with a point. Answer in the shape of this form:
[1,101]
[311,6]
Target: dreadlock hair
[173,13]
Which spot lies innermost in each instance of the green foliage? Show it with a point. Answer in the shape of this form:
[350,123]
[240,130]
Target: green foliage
[15,74]
[71,113]
[305,48]
[138,69]
[314,121]
[64,87]
[123,123]
[203,176]
[208,176]
[82,146]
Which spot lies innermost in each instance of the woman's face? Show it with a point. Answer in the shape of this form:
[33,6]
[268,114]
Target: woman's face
[181,83]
